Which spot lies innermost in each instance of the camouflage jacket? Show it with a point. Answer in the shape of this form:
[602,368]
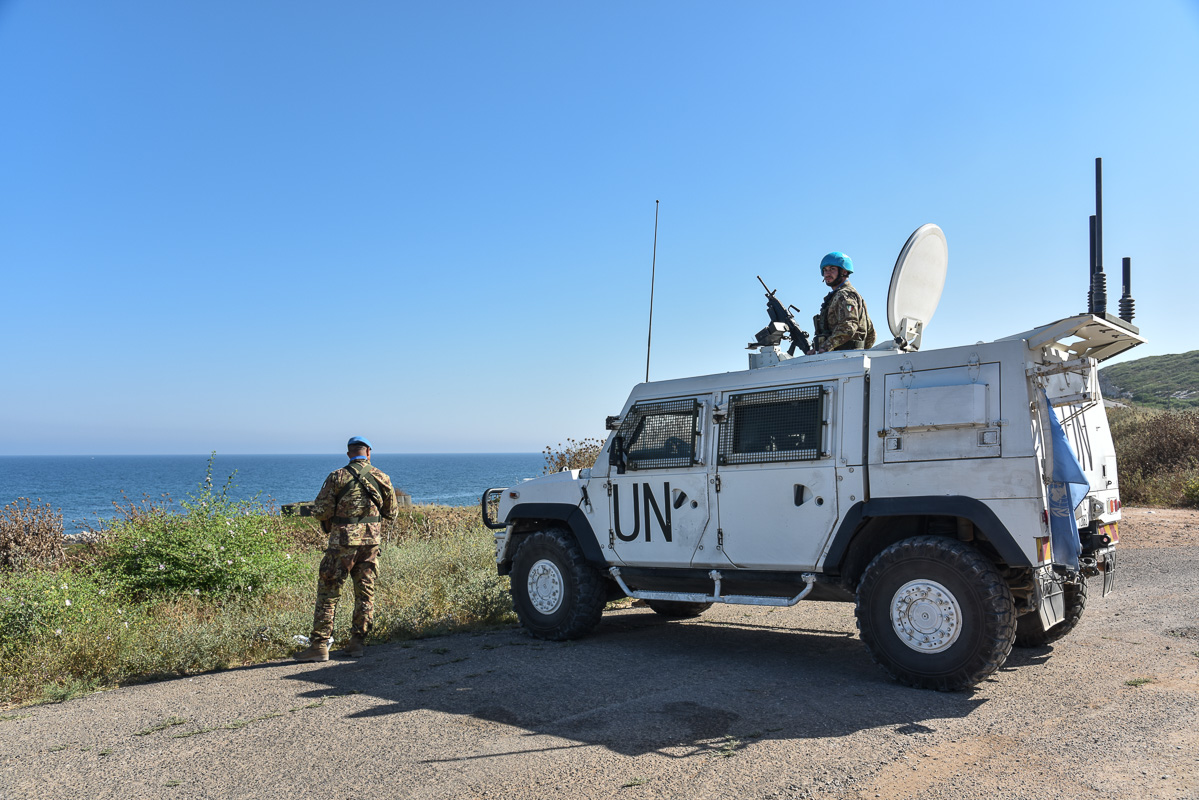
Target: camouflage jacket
[843,323]
[357,518]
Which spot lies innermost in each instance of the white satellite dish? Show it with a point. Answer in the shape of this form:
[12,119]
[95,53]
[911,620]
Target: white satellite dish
[916,284]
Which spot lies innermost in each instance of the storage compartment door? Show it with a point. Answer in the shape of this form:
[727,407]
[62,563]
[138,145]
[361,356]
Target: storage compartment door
[942,414]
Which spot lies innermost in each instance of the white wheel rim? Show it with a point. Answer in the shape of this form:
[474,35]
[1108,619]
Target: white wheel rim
[926,616]
[545,586]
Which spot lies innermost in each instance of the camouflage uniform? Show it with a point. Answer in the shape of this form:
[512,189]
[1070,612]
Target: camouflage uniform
[354,524]
[843,323]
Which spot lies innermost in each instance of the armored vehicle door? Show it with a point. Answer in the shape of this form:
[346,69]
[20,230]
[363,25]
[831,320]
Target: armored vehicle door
[658,483]
[776,483]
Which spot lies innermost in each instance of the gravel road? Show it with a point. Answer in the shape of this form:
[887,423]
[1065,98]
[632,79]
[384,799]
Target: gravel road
[743,702]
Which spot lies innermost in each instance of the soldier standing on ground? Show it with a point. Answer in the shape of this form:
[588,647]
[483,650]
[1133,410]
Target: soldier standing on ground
[351,506]
[842,323]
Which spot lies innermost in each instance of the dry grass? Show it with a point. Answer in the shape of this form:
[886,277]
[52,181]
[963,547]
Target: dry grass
[1158,456]
[31,535]
[575,454]
[414,523]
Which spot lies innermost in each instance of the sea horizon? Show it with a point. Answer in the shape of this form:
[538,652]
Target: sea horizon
[86,488]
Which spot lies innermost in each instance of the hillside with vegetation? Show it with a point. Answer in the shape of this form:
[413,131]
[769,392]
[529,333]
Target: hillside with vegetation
[1168,382]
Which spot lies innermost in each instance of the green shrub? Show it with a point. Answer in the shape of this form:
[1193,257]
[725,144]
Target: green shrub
[215,546]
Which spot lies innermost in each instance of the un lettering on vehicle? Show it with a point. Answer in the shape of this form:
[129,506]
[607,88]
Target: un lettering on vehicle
[644,501]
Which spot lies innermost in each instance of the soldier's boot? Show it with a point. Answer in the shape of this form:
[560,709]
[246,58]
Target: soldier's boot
[314,652]
[356,647]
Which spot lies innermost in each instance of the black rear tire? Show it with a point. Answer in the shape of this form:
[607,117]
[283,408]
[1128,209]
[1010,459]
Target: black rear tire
[677,609]
[1031,633]
[935,613]
[557,594]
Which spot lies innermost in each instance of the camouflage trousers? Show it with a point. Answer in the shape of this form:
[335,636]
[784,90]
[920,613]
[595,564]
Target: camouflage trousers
[358,562]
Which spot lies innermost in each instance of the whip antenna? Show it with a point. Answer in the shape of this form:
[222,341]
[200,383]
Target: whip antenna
[652,274]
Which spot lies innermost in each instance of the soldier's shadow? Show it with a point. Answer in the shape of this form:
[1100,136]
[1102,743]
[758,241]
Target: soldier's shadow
[640,684]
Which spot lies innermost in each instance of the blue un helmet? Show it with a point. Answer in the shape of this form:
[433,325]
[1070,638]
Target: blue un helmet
[837,259]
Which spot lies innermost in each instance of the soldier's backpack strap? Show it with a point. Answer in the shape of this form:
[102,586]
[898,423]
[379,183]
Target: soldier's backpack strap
[376,497]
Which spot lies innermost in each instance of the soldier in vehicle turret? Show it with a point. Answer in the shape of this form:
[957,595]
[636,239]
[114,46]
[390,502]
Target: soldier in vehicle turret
[842,323]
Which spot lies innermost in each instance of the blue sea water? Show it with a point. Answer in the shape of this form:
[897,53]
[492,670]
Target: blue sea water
[85,487]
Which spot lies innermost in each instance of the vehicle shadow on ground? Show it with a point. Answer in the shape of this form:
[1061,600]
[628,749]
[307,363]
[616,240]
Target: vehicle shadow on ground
[640,684]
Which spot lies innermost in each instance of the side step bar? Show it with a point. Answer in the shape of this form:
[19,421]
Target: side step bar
[716,597]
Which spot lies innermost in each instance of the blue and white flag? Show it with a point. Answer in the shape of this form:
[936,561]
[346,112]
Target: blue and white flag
[1068,486]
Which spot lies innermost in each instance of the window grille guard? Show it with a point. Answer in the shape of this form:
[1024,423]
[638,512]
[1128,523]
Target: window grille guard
[661,435]
[772,426]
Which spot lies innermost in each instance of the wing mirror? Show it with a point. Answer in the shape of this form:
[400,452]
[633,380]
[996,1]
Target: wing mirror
[616,455]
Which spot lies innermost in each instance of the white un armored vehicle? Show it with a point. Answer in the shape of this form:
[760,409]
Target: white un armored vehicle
[932,488]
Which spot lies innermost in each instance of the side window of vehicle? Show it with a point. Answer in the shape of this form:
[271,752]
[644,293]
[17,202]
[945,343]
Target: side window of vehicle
[660,435]
[777,425]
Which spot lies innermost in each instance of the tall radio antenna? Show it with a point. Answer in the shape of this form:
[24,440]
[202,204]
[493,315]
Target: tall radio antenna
[652,274]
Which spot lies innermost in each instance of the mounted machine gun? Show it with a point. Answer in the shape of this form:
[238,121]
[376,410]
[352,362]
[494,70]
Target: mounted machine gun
[782,325]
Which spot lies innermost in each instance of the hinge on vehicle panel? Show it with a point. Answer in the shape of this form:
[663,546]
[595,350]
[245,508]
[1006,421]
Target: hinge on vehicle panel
[972,366]
[719,538]
[718,483]
[611,539]
[608,486]
[1080,366]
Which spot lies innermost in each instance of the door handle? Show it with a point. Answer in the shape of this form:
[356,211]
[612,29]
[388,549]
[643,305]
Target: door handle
[799,494]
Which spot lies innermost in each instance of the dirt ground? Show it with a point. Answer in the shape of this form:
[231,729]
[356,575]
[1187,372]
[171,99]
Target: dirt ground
[1158,527]
[742,702]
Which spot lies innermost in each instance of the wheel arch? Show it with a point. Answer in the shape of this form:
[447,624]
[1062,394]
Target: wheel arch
[870,527]
[529,517]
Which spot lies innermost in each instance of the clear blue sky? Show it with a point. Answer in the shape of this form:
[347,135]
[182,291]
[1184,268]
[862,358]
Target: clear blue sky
[263,227]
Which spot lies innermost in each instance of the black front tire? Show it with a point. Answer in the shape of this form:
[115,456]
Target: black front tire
[935,613]
[677,609]
[1031,633]
[556,592]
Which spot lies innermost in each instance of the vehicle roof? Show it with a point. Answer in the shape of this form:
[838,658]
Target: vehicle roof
[818,367]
